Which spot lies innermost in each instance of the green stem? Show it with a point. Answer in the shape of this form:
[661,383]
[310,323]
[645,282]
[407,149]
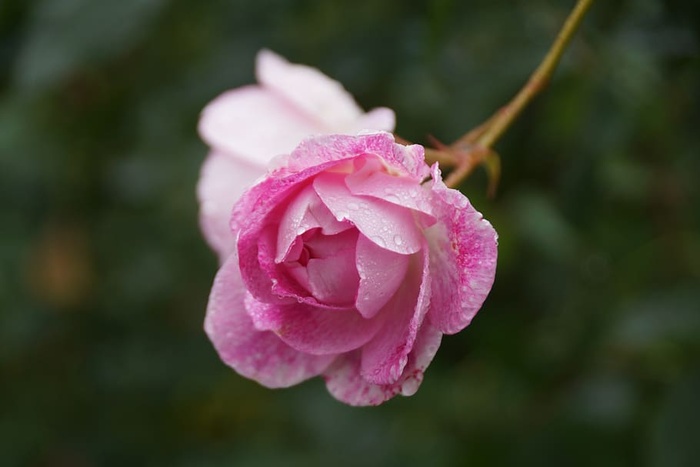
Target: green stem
[489,132]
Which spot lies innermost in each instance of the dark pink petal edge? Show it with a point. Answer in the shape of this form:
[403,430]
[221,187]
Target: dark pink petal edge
[258,355]
[463,254]
[345,383]
[405,160]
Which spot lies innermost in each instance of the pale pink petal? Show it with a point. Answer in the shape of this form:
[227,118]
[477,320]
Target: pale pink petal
[222,181]
[317,95]
[381,273]
[311,329]
[387,225]
[254,124]
[261,356]
[385,356]
[345,383]
[379,119]
[463,252]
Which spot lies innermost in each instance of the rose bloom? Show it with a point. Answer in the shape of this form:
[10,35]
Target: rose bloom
[349,259]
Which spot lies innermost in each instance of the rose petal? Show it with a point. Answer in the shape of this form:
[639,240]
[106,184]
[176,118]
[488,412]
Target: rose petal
[311,329]
[333,277]
[424,350]
[381,273]
[371,180]
[305,212]
[254,124]
[407,161]
[385,356]
[345,383]
[261,356]
[379,119]
[463,252]
[318,96]
[222,181]
[387,225]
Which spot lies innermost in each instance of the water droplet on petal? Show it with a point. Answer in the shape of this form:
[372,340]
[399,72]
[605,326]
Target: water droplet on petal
[398,240]
[353,206]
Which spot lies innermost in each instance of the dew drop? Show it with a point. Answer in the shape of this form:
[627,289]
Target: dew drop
[398,240]
[353,206]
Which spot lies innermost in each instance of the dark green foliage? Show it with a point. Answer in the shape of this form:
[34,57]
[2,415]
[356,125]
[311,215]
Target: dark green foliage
[586,352]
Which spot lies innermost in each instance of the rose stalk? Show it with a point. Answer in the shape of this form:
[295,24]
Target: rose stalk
[475,147]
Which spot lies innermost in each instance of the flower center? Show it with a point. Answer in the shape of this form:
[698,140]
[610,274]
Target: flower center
[325,266]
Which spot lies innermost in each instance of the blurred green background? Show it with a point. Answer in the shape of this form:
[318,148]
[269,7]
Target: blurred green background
[586,352]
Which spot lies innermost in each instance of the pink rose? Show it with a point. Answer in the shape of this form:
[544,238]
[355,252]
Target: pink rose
[247,127]
[349,265]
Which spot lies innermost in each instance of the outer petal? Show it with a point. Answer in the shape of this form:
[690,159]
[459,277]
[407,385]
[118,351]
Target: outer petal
[345,383]
[311,329]
[255,124]
[407,161]
[317,95]
[261,356]
[463,252]
[222,181]
[385,356]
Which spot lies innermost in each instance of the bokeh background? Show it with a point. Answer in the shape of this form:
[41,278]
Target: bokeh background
[586,352]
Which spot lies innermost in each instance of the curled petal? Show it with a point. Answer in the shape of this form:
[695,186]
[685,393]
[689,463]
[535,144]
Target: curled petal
[387,225]
[370,180]
[257,355]
[463,252]
[305,212]
[385,356]
[407,161]
[345,382]
[257,211]
[311,329]
[381,273]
